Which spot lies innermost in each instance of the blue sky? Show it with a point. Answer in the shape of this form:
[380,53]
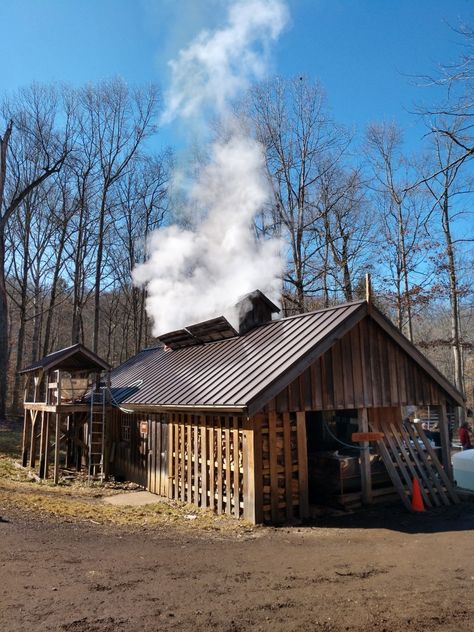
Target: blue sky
[363,51]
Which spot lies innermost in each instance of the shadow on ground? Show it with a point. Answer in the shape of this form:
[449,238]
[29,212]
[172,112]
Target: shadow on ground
[396,518]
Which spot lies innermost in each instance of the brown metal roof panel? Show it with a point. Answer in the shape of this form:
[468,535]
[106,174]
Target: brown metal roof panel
[309,334]
[276,357]
[231,371]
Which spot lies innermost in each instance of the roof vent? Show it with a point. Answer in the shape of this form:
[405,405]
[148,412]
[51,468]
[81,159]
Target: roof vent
[253,310]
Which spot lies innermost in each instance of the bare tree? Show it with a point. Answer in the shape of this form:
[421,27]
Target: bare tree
[293,124]
[447,186]
[31,150]
[143,207]
[403,216]
[116,121]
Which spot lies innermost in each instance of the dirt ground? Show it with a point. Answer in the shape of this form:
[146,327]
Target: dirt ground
[377,570]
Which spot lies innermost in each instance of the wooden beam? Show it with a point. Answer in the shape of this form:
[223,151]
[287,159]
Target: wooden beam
[361,437]
[365,469]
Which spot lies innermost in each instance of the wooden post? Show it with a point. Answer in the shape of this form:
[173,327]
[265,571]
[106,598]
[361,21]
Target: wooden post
[46,445]
[41,447]
[368,288]
[26,425]
[365,470]
[57,440]
[302,464]
[445,442]
[68,442]
[57,434]
[26,436]
[248,460]
[34,416]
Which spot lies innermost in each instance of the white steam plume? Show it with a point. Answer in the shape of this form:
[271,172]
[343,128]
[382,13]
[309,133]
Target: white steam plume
[195,274]
[217,66]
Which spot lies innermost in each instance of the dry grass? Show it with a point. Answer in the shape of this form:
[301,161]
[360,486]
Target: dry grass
[80,501]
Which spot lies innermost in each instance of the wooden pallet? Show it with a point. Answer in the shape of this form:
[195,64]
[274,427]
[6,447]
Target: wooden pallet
[407,454]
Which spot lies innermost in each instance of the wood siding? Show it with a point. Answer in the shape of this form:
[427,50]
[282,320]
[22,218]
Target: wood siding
[206,461]
[364,369]
[281,476]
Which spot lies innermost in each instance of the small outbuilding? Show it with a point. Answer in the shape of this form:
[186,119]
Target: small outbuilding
[65,409]
[264,418]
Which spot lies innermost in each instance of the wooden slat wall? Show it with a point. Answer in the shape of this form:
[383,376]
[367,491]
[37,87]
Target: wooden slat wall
[132,459]
[280,483]
[206,461]
[365,369]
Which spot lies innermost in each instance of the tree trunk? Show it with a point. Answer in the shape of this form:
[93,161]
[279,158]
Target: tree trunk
[404,270]
[453,298]
[54,291]
[3,289]
[3,328]
[98,275]
[21,330]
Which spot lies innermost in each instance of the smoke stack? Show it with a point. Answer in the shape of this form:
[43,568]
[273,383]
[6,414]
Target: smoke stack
[252,310]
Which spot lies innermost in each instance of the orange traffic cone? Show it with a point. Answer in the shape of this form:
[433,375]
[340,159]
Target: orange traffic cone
[416,498]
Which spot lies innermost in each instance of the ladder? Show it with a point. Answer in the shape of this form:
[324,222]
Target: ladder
[407,454]
[96,436]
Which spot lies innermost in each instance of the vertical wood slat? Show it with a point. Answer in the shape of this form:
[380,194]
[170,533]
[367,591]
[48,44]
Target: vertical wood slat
[182,474]
[393,375]
[347,370]
[176,473]
[248,462]
[273,465]
[195,450]
[337,375]
[219,465]
[170,466]
[316,385]
[288,465]
[164,462]
[228,491]
[257,482]
[236,455]
[151,456]
[302,464]
[212,471]
[356,368]
[161,453]
[365,362]
[204,465]
[188,456]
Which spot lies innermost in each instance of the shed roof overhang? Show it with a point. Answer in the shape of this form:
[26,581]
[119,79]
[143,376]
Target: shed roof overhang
[74,358]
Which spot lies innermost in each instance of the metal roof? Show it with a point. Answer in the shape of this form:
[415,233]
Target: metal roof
[229,373]
[76,357]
